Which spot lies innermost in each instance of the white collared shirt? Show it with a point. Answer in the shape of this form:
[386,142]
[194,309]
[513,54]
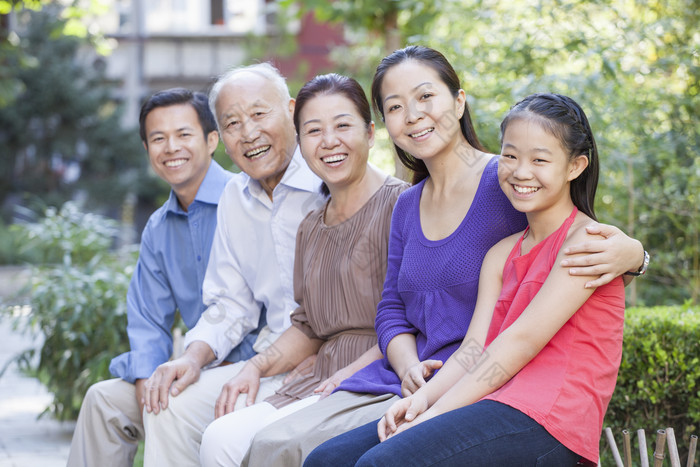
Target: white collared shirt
[252,257]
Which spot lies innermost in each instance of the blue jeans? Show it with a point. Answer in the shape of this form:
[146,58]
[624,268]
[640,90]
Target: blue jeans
[486,433]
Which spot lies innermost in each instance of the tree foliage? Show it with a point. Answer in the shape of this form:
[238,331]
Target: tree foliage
[61,133]
[633,65]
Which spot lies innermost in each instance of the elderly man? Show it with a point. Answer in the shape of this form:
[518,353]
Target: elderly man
[179,134]
[251,261]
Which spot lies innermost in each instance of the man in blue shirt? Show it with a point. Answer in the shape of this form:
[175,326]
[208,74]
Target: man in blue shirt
[179,134]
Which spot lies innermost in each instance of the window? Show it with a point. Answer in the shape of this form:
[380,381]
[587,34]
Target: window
[217,12]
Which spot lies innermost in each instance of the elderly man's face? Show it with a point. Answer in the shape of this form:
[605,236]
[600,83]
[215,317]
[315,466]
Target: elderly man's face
[257,127]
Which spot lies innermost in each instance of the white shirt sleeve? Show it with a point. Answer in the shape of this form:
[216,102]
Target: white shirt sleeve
[232,311]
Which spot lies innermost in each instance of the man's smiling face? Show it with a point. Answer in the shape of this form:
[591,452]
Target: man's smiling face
[256,127]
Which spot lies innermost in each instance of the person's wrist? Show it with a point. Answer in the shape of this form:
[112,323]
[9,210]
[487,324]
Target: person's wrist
[642,269]
[402,371]
[257,366]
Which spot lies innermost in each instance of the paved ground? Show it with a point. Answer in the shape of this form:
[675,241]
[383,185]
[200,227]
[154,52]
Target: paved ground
[25,440]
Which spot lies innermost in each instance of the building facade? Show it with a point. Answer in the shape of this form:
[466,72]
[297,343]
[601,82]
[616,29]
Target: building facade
[159,44]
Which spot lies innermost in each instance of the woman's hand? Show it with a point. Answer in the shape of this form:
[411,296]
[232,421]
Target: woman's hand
[608,257]
[247,381]
[401,413]
[416,376]
[329,384]
[305,368]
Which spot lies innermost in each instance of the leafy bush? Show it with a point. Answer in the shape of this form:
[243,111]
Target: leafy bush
[70,236]
[659,381]
[78,304]
[10,245]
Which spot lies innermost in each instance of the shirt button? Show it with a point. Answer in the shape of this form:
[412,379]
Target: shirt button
[199,258]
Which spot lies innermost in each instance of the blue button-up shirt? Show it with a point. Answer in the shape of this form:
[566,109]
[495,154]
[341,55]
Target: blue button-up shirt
[172,262]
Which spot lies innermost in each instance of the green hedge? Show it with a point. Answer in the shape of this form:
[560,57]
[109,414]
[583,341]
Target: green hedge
[658,383]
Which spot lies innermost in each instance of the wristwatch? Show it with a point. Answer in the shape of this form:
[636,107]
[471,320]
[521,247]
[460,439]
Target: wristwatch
[642,269]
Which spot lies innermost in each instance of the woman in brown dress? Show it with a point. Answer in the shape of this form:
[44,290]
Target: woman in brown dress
[340,264]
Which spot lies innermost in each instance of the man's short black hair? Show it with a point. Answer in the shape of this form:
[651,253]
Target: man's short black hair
[176,96]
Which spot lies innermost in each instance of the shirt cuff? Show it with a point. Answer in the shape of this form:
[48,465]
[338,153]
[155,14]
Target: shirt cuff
[131,366]
[221,343]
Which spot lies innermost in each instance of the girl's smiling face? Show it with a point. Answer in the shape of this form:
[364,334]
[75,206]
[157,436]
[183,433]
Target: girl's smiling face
[420,113]
[534,169]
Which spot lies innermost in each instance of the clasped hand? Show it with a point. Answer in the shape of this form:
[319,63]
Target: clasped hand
[417,375]
[402,415]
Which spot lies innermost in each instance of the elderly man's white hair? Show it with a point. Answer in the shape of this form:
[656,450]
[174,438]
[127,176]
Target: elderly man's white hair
[265,70]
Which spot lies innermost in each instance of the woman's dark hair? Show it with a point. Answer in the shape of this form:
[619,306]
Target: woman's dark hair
[175,96]
[563,118]
[332,83]
[447,74]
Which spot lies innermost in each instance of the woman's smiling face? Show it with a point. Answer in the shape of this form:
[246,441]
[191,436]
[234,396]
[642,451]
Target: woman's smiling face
[420,113]
[334,139]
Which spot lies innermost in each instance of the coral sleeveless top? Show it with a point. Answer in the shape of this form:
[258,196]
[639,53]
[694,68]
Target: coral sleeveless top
[566,388]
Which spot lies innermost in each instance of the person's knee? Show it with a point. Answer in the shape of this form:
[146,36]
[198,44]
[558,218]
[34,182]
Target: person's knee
[97,395]
[326,454]
[164,419]
[315,458]
[372,459]
[214,441]
[276,434]
[366,462]
[92,396]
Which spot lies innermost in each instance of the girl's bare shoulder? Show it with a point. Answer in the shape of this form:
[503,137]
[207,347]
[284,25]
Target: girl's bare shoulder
[503,248]
[577,232]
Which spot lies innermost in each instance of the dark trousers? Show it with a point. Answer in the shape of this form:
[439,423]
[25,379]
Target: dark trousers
[486,433]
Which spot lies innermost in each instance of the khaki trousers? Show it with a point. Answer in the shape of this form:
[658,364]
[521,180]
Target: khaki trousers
[174,435]
[288,441]
[109,426]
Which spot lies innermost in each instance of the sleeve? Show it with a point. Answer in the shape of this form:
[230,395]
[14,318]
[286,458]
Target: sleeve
[391,311]
[232,311]
[150,313]
[298,317]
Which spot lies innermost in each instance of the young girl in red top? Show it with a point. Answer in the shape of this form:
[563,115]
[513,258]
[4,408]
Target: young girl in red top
[532,380]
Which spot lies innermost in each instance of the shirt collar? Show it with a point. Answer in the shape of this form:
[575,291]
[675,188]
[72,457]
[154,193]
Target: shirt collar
[209,190]
[298,175]
[213,184]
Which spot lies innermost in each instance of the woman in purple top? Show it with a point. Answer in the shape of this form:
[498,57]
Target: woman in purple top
[441,229]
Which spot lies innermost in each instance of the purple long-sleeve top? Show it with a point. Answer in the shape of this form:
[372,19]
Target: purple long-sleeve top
[431,286]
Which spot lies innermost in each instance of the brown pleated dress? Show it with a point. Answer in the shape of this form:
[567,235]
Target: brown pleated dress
[338,279]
